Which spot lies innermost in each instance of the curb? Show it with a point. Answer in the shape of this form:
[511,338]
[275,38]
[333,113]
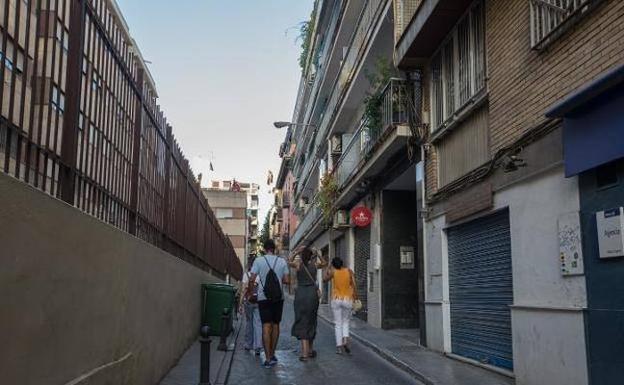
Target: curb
[386,355]
[223,377]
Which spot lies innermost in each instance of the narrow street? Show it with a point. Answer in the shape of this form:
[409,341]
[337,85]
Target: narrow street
[363,367]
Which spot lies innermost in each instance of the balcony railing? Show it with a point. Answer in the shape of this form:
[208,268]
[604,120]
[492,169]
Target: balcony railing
[547,16]
[365,28]
[310,217]
[393,113]
[286,200]
[285,240]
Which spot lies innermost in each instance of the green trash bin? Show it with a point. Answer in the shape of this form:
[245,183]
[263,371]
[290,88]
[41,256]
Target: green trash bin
[215,298]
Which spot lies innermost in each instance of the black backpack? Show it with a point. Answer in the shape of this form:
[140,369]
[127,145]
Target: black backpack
[272,287]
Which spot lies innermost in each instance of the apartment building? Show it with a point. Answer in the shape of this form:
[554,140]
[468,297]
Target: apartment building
[351,129]
[251,191]
[80,120]
[284,191]
[230,209]
[523,179]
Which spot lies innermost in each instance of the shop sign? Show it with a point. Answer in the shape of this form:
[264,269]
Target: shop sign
[610,226]
[361,216]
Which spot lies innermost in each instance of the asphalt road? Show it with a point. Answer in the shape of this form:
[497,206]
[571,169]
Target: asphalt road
[363,367]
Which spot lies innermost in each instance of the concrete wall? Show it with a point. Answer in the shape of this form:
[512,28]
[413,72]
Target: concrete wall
[80,297]
[547,316]
[436,284]
[374,295]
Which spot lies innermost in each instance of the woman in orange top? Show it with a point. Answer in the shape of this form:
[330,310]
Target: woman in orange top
[343,295]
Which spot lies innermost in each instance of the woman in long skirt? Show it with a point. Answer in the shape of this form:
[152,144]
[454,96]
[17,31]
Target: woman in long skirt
[306,263]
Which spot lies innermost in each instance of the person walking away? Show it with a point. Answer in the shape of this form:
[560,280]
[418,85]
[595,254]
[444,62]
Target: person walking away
[272,272]
[343,296]
[307,297]
[249,306]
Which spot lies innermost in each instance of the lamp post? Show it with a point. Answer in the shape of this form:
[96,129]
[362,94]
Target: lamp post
[281,124]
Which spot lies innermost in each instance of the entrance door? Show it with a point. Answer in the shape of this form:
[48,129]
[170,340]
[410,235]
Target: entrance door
[480,288]
[361,257]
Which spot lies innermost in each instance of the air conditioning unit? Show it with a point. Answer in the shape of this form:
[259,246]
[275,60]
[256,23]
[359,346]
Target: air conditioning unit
[341,219]
[336,144]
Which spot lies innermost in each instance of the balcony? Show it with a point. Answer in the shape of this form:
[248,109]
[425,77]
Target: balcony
[285,240]
[366,154]
[367,138]
[357,53]
[426,28]
[307,224]
[286,200]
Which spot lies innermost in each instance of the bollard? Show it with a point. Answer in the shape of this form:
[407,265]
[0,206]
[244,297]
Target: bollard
[204,369]
[225,330]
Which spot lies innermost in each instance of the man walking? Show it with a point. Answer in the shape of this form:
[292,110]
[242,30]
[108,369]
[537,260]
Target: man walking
[272,272]
[249,306]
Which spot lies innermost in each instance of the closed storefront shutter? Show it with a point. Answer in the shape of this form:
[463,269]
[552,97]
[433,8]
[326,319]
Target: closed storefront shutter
[362,255]
[481,289]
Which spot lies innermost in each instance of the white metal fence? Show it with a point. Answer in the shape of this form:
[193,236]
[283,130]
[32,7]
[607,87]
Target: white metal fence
[548,15]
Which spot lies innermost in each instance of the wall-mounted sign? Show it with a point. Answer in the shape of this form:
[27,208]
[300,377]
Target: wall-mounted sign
[361,216]
[610,225]
[407,257]
[570,244]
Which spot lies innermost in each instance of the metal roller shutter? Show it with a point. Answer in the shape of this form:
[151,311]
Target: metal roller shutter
[362,255]
[481,289]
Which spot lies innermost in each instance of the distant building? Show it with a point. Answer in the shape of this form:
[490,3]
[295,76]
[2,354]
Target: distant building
[250,191]
[230,208]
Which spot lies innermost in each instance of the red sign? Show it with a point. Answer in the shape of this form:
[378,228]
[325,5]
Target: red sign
[361,216]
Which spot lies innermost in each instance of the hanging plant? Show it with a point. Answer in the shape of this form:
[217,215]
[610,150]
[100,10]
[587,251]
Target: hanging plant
[305,35]
[326,198]
[384,71]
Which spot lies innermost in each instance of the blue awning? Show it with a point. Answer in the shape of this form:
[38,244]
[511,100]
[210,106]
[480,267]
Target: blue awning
[593,127]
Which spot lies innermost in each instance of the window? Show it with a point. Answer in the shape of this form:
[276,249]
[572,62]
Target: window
[58,99]
[62,35]
[458,67]
[549,16]
[225,213]
[18,65]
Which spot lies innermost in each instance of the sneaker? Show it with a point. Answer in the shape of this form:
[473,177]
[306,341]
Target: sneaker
[258,351]
[267,365]
[273,360]
[346,349]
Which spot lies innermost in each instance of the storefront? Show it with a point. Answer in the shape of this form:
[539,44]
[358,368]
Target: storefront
[594,151]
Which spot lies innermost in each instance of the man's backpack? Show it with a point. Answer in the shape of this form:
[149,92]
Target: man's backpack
[272,287]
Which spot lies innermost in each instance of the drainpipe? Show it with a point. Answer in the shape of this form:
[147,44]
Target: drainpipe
[415,79]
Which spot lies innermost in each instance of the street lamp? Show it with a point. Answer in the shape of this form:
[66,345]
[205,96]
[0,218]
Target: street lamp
[290,124]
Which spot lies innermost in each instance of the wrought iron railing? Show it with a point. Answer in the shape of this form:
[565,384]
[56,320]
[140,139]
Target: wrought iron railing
[393,112]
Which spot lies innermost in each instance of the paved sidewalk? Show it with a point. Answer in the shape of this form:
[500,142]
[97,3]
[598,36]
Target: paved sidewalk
[430,367]
[186,372]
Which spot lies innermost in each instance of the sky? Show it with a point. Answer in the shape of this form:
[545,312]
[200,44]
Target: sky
[224,72]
